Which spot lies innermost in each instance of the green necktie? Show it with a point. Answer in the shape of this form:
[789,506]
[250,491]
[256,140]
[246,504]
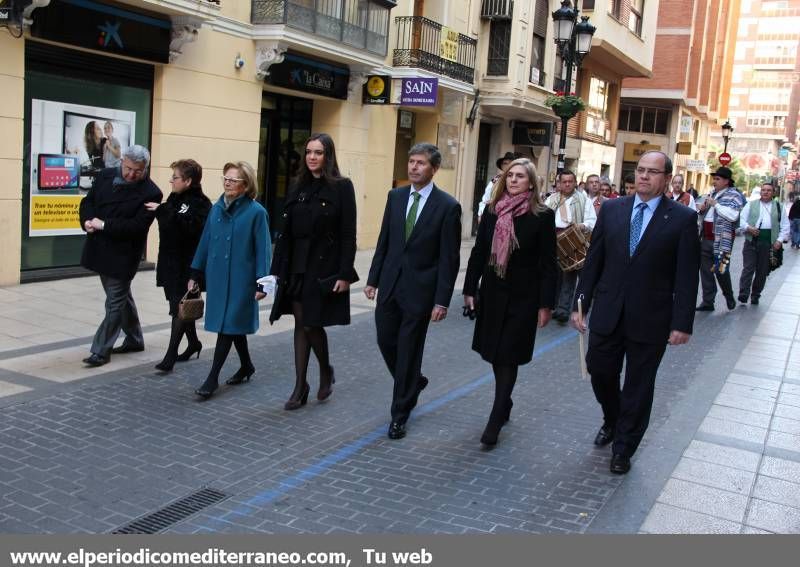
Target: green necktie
[411,218]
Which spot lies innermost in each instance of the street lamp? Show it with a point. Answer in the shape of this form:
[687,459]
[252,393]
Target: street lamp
[727,130]
[573,41]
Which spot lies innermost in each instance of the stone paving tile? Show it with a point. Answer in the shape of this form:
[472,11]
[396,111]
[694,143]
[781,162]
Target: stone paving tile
[733,429]
[756,419]
[665,519]
[778,491]
[790,412]
[773,517]
[749,530]
[780,468]
[717,476]
[785,425]
[764,383]
[749,392]
[784,441]
[745,403]
[699,498]
[789,399]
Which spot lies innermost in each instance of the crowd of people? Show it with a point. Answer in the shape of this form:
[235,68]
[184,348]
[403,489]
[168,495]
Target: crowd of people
[649,249]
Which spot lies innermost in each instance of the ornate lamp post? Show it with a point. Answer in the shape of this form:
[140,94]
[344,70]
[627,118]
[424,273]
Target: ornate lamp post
[573,40]
[727,130]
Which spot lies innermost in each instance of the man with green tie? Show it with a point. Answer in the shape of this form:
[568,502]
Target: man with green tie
[415,268]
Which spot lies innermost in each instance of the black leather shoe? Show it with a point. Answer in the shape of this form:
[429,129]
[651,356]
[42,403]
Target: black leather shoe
[604,436]
[620,464]
[397,430]
[742,299]
[125,347]
[96,360]
[730,302]
[704,307]
[753,301]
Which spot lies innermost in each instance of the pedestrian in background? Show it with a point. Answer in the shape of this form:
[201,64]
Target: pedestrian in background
[502,164]
[640,283]
[181,219]
[794,219]
[676,192]
[116,222]
[511,282]
[234,251]
[765,225]
[629,185]
[593,192]
[415,268]
[314,257]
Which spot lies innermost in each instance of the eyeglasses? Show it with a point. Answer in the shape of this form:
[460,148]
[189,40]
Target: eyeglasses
[176,177]
[648,171]
[231,179]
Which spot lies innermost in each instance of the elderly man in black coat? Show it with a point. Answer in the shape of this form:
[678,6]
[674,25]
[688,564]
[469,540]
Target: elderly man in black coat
[116,222]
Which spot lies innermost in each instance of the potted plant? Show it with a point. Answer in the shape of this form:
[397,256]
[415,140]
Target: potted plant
[565,105]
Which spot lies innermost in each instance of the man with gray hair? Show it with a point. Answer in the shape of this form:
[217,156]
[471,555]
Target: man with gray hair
[116,223]
[415,268]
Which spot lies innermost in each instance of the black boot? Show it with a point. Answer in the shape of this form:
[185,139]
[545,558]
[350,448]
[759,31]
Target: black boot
[221,351]
[505,377]
[175,336]
[194,343]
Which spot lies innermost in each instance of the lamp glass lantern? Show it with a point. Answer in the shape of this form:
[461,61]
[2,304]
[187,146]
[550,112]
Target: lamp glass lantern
[727,129]
[583,34]
[564,20]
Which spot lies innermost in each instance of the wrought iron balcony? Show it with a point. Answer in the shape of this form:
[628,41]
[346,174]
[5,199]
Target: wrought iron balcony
[420,43]
[360,23]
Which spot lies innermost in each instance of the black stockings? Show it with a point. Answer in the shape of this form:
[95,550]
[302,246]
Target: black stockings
[307,339]
[221,351]
[504,379]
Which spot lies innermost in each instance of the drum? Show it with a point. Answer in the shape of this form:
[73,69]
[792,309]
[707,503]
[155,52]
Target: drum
[572,247]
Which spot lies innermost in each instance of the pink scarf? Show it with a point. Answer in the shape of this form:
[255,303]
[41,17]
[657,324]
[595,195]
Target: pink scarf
[504,241]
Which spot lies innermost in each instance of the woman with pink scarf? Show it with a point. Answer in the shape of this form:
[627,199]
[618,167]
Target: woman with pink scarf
[511,282]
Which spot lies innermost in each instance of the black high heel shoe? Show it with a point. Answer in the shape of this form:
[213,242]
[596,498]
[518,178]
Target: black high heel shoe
[206,390]
[167,364]
[325,393]
[292,404]
[190,351]
[242,375]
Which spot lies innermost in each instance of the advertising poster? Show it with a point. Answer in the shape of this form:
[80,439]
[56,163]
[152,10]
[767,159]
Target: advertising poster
[70,144]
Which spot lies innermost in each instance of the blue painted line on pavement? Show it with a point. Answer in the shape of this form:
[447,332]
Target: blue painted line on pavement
[329,461]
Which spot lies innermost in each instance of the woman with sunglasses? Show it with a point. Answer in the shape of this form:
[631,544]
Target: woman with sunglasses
[233,253]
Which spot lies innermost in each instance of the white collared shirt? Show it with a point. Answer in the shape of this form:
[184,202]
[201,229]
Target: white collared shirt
[424,193]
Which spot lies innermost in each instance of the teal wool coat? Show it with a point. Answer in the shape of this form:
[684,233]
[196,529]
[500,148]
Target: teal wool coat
[234,251]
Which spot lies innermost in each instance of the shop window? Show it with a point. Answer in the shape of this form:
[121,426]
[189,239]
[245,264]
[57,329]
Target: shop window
[499,46]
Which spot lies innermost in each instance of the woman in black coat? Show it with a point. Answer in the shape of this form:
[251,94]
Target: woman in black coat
[180,223]
[313,262]
[514,259]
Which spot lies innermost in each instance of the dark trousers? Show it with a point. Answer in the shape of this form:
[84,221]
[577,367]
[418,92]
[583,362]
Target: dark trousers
[121,315]
[755,262]
[401,339]
[565,291]
[627,410]
[707,276]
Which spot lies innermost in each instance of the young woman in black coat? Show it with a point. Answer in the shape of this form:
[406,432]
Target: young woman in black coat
[313,261]
[180,223]
[514,259]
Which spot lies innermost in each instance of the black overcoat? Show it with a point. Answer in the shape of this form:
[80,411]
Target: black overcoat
[508,308]
[116,250]
[181,219]
[331,256]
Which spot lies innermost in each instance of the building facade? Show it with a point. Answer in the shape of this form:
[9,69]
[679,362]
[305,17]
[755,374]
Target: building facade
[219,81]
[676,109]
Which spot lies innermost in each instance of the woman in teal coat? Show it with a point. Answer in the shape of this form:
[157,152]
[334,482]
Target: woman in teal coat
[233,253]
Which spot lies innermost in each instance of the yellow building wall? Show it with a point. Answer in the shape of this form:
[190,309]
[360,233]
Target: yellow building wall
[205,109]
[12,87]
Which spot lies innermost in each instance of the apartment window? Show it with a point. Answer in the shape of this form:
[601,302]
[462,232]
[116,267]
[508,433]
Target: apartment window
[499,46]
[597,109]
[647,120]
[588,5]
[635,17]
[538,44]
[615,8]
[780,121]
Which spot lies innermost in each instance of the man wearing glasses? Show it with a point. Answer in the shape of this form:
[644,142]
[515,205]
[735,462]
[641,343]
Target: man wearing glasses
[640,281]
[116,222]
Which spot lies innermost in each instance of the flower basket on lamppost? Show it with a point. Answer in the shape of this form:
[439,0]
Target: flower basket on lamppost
[565,105]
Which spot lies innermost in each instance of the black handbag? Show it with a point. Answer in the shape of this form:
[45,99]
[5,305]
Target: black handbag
[775,258]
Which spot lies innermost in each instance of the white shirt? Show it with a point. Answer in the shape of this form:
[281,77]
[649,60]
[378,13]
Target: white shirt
[692,205]
[726,212]
[589,215]
[487,196]
[765,218]
[424,193]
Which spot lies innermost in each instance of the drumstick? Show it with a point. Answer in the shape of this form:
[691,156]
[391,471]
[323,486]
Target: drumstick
[581,349]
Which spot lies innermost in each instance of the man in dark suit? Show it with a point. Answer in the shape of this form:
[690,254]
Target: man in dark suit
[415,268]
[116,222]
[641,277]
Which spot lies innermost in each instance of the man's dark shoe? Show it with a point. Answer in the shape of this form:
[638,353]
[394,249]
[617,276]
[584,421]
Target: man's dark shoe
[730,302]
[753,301]
[704,307]
[397,430]
[742,299]
[604,436]
[620,464]
[125,347]
[96,360]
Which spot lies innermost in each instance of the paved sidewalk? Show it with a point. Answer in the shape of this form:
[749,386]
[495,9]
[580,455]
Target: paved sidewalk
[89,450]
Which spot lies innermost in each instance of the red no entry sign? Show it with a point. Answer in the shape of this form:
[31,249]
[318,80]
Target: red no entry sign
[725,158]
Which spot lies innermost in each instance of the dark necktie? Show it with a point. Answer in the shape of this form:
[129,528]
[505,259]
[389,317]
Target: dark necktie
[636,227]
[411,217]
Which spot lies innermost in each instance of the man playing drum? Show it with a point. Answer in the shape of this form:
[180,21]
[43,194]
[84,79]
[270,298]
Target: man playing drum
[573,209]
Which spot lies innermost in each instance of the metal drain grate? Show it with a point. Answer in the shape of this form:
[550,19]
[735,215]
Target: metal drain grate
[173,513]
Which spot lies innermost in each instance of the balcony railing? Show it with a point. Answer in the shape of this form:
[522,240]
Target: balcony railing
[360,23]
[419,44]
